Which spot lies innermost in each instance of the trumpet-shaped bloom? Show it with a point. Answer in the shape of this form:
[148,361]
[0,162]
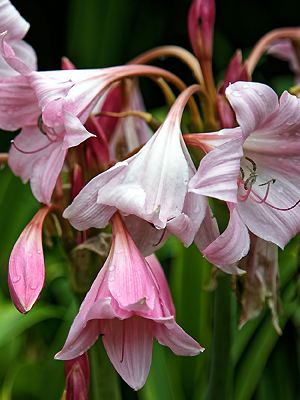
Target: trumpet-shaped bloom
[128,304]
[26,271]
[262,173]
[53,110]
[151,184]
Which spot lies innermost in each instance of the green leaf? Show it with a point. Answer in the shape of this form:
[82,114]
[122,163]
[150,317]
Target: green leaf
[13,323]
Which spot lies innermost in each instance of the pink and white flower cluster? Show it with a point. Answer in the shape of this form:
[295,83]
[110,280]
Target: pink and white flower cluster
[154,192]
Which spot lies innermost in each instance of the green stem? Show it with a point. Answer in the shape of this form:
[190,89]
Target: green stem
[219,387]
[104,379]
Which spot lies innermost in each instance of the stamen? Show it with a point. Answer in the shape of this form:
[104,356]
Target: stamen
[269,181]
[123,342]
[161,238]
[31,151]
[242,173]
[244,197]
[266,194]
[263,201]
[251,179]
[252,162]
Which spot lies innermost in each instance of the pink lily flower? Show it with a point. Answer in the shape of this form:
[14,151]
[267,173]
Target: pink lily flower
[77,373]
[26,271]
[152,185]
[128,304]
[60,104]
[260,175]
[18,56]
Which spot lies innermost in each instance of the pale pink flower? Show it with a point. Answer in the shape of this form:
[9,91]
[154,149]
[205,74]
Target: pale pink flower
[17,55]
[26,271]
[152,185]
[77,373]
[129,304]
[256,167]
[52,108]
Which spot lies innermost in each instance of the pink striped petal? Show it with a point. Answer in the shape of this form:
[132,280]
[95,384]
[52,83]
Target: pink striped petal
[18,106]
[19,56]
[26,272]
[11,21]
[170,334]
[218,172]
[253,103]
[85,212]
[45,173]
[129,346]
[230,246]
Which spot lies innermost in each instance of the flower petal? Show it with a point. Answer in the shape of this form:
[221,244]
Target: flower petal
[129,346]
[19,56]
[129,279]
[147,238]
[75,131]
[26,272]
[18,105]
[154,191]
[252,102]
[45,174]
[218,172]
[230,246]
[262,218]
[186,225]
[76,345]
[172,335]
[85,212]
[29,140]
[279,135]
[160,277]
[11,21]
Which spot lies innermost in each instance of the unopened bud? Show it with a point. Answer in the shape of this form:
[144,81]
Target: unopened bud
[77,373]
[201,22]
[26,272]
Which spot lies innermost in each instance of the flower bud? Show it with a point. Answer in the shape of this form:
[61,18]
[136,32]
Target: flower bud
[26,273]
[77,373]
[201,20]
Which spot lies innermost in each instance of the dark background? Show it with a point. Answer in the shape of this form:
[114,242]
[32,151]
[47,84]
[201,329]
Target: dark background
[109,32]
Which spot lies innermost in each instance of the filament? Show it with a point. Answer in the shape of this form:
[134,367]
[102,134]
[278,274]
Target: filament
[31,151]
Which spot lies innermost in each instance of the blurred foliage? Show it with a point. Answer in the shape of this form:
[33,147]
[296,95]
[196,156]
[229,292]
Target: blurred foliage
[253,363]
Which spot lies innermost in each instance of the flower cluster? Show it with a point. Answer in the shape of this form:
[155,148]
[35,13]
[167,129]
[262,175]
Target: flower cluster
[86,147]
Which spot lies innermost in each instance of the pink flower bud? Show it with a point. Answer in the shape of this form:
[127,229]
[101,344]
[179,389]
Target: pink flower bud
[77,373]
[26,271]
[201,22]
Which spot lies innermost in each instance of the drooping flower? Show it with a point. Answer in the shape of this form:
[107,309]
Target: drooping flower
[261,175]
[152,185]
[52,108]
[77,373]
[26,271]
[128,304]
